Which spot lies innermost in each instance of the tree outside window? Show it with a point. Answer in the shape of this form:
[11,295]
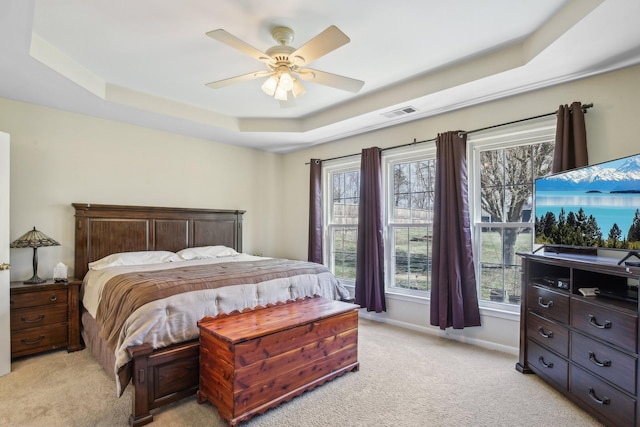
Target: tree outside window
[507,177]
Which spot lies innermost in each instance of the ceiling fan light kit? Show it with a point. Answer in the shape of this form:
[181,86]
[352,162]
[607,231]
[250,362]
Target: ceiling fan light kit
[285,63]
[280,84]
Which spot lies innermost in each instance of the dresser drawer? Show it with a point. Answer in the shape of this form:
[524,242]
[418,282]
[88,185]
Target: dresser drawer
[547,333]
[25,318]
[44,297]
[611,403]
[547,364]
[551,304]
[605,361]
[602,322]
[39,339]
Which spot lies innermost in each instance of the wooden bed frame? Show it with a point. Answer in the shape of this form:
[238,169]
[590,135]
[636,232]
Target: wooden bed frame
[166,375]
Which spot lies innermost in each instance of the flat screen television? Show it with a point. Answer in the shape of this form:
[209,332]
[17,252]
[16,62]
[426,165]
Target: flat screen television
[596,206]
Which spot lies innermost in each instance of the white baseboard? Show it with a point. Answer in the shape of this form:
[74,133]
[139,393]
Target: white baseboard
[440,333]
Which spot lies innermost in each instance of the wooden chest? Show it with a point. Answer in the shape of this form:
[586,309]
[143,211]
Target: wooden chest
[252,361]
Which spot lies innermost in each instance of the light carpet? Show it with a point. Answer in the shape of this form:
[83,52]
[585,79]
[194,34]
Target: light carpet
[405,379]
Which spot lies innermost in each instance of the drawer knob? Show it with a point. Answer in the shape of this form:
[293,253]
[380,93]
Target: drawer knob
[36,341]
[53,298]
[594,322]
[38,319]
[541,303]
[592,395]
[545,334]
[595,361]
[545,364]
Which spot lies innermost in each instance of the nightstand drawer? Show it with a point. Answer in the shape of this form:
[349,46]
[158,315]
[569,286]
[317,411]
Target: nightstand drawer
[43,297]
[39,339]
[44,316]
[38,316]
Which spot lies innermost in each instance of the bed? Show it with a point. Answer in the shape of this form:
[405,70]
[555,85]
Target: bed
[134,321]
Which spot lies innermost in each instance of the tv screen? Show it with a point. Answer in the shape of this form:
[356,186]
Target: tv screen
[595,206]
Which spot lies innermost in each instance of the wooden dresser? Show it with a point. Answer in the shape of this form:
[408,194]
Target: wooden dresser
[44,317]
[252,361]
[585,346]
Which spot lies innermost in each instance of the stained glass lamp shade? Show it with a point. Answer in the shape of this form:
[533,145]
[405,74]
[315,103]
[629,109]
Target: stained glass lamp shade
[34,239]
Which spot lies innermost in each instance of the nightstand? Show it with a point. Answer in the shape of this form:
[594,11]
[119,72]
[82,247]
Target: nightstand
[44,317]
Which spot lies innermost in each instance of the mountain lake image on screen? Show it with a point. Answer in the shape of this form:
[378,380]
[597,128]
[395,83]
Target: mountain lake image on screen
[593,206]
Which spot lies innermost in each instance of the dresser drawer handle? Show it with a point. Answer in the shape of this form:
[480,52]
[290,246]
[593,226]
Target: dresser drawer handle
[595,361]
[53,298]
[542,304]
[594,322]
[25,320]
[545,364]
[545,334]
[592,395]
[27,342]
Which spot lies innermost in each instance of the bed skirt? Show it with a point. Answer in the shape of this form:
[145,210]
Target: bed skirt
[98,348]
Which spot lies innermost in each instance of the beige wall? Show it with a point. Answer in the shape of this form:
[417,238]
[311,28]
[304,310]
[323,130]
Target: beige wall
[58,158]
[611,133]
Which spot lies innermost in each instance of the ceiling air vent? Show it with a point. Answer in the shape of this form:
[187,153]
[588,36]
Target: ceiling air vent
[399,112]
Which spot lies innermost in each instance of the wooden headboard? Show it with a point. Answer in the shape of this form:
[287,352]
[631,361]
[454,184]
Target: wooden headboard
[102,230]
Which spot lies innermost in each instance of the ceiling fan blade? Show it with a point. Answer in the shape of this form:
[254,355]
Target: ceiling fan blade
[333,80]
[325,42]
[243,78]
[231,40]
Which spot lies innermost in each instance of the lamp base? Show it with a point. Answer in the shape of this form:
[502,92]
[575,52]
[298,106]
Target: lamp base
[34,280]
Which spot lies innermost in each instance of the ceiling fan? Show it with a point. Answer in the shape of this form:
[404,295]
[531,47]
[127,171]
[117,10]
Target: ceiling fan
[285,64]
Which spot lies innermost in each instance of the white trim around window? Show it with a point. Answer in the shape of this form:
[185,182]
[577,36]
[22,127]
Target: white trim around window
[524,133]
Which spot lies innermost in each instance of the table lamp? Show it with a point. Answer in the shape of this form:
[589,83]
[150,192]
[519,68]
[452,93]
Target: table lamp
[34,239]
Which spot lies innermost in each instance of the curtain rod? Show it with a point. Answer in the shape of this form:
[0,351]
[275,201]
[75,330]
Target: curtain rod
[584,109]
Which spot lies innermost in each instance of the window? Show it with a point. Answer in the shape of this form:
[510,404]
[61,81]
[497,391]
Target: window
[503,165]
[341,211]
[409,195]
[410,178]
[504,168]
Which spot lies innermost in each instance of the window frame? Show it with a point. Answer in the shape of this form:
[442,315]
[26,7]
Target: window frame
[425,151]
[519,134]
[330,169]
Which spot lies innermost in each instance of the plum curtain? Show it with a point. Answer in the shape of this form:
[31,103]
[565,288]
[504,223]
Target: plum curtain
[571,139]
[454,299]
[369,292]
[315,211]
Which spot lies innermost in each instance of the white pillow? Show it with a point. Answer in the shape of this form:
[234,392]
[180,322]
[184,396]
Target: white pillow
[134,258]
[204,252]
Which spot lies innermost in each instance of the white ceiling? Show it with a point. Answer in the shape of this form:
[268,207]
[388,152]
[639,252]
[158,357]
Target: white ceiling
[146,62]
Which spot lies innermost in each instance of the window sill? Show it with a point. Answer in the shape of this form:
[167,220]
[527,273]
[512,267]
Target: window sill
[487,308]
